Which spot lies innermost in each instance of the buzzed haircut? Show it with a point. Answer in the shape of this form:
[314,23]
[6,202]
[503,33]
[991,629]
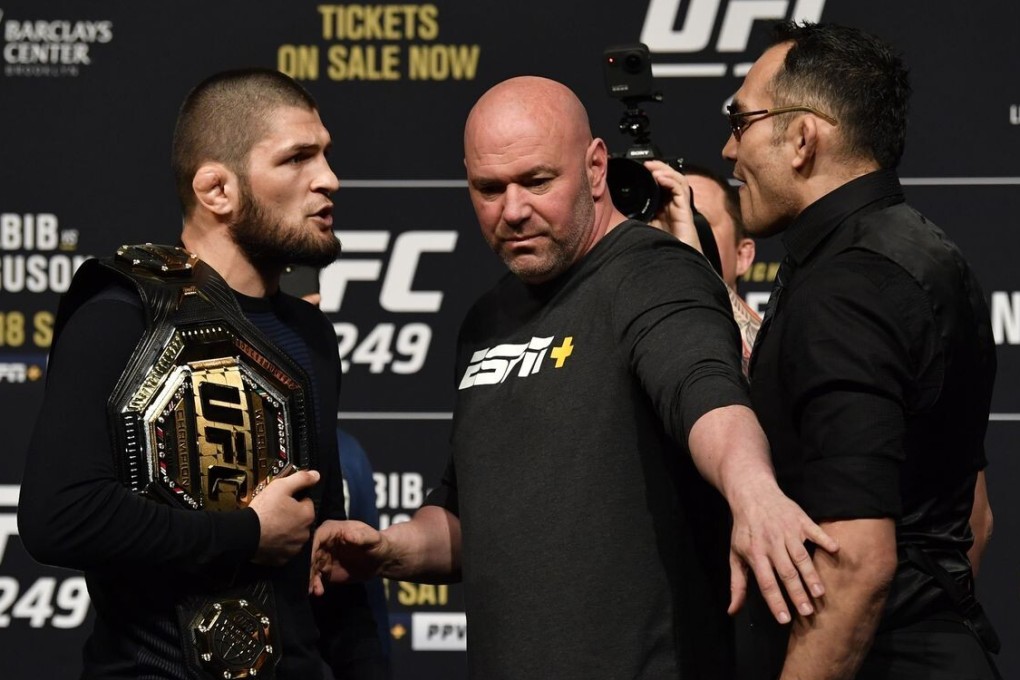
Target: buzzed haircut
[223,117]
[730,192]
[850,75]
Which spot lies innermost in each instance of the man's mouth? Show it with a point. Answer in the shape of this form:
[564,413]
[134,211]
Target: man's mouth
[325,214]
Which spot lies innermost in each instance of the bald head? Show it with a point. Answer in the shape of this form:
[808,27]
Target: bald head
[536,176]
[529,104]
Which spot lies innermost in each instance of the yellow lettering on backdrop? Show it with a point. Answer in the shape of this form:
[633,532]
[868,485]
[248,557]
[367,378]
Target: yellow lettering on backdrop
[443,62]
[364,62]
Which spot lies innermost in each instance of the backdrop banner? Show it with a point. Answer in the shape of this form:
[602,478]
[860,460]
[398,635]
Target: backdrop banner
[89,93]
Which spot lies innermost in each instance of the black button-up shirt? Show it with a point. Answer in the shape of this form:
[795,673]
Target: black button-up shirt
[873,379]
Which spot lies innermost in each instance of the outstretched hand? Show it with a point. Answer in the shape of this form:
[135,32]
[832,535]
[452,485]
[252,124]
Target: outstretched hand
[769,532]
[344,551]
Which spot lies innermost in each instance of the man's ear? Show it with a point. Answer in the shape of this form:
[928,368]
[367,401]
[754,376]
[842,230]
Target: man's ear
[216,188]
[745,256]
[804,134]
[597,165]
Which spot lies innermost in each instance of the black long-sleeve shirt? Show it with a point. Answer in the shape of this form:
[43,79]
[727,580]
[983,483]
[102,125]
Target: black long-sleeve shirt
[138,555]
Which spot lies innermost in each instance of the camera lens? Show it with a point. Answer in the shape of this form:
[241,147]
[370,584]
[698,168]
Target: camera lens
[633,63]
[633,189]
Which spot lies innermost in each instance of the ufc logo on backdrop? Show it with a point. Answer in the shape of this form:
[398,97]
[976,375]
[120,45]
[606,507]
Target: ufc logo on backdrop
[396,276]
[389,264]
[688,26]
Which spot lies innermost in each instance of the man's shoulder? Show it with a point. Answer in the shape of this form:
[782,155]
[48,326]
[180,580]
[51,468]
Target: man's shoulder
[647,264]
[156,258]
[633,236]
[94,289]
[899,233]
[144,265]
[901,237]
[634,247]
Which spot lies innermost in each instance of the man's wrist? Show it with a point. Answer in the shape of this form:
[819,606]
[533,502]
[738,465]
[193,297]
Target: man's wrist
[745,485]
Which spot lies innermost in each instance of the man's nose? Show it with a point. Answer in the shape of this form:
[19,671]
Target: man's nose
[729,150]
[325,179]
[516,204]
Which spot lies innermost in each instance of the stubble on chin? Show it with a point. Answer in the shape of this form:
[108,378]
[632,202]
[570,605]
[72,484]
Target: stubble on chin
[533,269]
[268,244]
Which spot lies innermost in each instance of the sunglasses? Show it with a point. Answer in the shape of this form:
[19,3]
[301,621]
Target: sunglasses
[739,119]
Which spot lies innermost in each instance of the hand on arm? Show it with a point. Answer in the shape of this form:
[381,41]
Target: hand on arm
[285,522]
[769,530]
[832,644]
[426,548]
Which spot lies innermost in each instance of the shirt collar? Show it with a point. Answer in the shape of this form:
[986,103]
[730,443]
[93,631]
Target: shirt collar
[822,217]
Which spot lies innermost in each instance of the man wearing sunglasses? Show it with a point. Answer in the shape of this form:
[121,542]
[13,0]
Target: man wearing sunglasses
[872,372]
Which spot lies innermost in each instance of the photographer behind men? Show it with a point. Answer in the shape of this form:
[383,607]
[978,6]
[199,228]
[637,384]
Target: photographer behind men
[646,185]
[719,203]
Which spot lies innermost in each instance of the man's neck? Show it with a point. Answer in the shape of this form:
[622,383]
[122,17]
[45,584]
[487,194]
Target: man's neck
[219,251]
[824,183]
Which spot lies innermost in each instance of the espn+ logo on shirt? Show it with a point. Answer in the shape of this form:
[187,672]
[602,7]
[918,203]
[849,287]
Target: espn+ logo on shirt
[493,365]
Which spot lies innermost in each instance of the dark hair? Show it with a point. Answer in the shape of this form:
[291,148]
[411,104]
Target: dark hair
[223,117]
[732,196]
[851,75]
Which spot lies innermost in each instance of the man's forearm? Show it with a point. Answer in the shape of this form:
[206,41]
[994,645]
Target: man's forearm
[425,549]
[730,450]
[980,523]
[769,530]
[832,644]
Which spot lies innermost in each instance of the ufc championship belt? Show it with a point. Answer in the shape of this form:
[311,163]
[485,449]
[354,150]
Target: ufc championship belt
[207,412]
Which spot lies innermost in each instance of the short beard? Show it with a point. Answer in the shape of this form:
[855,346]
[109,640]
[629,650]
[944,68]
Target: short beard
[269,245]
[563,254]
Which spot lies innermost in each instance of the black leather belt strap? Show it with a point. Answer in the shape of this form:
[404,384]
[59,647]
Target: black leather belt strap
[966,604]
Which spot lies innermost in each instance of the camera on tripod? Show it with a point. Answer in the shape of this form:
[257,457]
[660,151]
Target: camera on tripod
[635,193]
[628,71]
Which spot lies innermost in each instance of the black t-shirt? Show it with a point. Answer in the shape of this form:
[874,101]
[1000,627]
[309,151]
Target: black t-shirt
[591,546]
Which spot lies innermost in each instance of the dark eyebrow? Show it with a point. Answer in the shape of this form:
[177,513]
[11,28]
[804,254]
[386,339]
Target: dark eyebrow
[300,148]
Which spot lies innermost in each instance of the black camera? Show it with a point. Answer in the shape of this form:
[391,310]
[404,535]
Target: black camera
[635,193]
[628,72]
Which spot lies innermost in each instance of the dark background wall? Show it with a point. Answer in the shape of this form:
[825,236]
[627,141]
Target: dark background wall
[89,92]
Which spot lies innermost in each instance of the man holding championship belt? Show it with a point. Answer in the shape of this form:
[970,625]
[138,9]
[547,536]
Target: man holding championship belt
[186,444]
